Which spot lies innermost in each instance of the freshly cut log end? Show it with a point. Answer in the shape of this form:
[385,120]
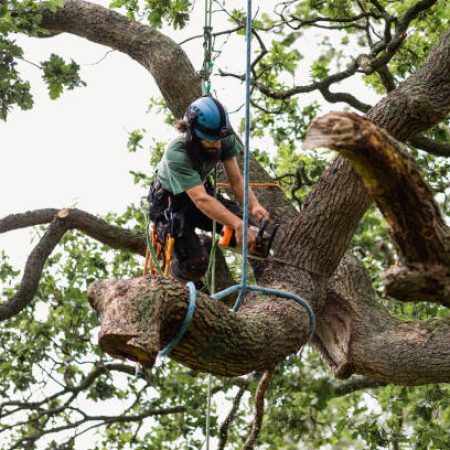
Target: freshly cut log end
[124,346]
[63,213]
[123,306]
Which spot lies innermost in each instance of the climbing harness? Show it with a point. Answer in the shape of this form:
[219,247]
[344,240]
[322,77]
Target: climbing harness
[158,255]
[153,253]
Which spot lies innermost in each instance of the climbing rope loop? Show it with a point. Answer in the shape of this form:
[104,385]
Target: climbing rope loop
[270,291]
[186,322]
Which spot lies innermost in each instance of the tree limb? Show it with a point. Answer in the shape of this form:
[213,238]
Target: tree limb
[218,341]
[392,178]
[259,410]
[357,335]
[418,282]
[223,431]
[431,146]
[33,268]
[60,222]
[394,182]
[98,229]
[353,384]
[150,48]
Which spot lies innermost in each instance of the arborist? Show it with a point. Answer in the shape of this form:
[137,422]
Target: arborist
[181,197]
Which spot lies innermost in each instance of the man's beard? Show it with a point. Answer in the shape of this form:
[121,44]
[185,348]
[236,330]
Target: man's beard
[200,153]
[210,154]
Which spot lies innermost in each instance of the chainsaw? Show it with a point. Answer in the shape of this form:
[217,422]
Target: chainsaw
[264,240]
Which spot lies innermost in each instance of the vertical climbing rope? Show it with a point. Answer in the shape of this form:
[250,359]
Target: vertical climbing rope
[212,287]
[248,35]
[206,71]
[205,74]
[243,287]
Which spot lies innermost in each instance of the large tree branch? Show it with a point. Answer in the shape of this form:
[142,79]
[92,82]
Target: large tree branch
[140,316]
[356,335]
[98,229]
[33,269]
[418,282]
[393,180]
[339,200]
[431,146]
[60,222]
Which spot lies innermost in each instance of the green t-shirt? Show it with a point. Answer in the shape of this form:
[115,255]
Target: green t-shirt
[177,171]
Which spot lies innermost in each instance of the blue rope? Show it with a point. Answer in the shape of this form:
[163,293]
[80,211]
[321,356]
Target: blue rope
[243,288]
[186,322]
[278,293]
[248,36]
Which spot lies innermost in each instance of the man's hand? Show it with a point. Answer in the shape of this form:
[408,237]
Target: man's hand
[260,213]
[251,239]
[237,184]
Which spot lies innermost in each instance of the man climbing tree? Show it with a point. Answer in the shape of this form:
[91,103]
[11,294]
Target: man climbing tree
[182,197]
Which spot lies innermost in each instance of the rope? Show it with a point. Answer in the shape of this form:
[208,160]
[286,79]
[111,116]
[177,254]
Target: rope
[270,291]
[186,322]
[248,36]
[151,251]
[208,411]
[243,288]
[212,287]
[253,185]
[205,73]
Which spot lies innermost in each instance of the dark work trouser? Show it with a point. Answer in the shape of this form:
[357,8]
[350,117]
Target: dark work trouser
[181,218]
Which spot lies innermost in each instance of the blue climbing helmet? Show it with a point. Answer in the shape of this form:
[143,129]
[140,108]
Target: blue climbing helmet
[208,119]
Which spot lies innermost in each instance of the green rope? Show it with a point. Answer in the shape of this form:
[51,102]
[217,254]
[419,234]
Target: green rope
[207,69]
[210,277]
[211,283]
[208,411]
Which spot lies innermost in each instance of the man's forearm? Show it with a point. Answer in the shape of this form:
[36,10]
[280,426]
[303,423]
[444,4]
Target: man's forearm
[216,211]
[238,191]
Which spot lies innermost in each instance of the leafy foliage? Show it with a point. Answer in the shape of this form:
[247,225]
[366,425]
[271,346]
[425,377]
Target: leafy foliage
[59,75]
[174,12]
[13,90]
[26,17]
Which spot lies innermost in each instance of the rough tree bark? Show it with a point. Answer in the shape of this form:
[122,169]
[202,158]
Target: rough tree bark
[355,334]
